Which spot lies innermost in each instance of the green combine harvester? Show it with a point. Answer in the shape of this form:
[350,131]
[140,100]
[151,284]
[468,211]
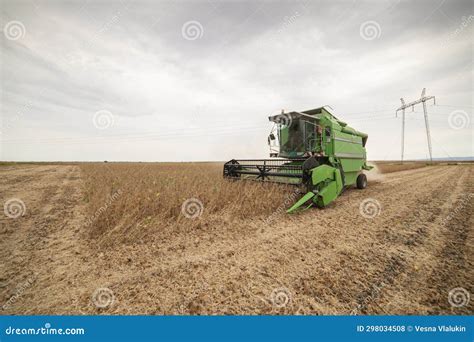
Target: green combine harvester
[312,149]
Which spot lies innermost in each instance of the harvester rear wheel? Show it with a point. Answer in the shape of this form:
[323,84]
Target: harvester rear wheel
[361,181]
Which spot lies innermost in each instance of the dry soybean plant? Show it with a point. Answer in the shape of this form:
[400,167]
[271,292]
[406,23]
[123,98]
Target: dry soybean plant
[152,197]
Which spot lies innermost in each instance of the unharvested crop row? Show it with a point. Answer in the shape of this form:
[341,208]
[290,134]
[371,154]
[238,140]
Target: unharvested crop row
[133,200]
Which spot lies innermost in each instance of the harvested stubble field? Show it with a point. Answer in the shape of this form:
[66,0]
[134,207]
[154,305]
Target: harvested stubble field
[121,227]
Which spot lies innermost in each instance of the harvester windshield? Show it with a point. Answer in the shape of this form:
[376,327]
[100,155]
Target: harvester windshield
[296,134]
[291,138]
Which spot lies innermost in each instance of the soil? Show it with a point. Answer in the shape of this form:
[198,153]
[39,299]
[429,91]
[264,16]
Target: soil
[405,259]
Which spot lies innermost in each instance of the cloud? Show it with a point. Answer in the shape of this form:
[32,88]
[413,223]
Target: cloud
[208,98]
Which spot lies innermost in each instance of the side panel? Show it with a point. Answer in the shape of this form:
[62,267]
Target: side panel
[348,146]
[350,152]
[350,178]
[351,165]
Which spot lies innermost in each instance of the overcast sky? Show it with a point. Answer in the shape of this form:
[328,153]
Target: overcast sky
[196,80]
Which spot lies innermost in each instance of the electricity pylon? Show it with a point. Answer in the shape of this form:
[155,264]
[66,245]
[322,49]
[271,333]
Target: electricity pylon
[412,104]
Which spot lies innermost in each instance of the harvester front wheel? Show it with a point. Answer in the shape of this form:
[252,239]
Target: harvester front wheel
[361,181]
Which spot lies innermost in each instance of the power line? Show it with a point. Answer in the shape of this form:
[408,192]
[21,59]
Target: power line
[412,104]
[454,106]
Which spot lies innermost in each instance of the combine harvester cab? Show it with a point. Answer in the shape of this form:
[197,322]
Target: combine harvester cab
[312,149]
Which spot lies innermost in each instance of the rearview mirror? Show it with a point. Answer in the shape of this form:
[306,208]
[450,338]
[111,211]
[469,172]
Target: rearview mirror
[270,138]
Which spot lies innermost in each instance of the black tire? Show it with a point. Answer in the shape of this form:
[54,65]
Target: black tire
[309,164]
[361,181]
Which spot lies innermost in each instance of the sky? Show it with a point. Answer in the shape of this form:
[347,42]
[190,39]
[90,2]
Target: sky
[197,80]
